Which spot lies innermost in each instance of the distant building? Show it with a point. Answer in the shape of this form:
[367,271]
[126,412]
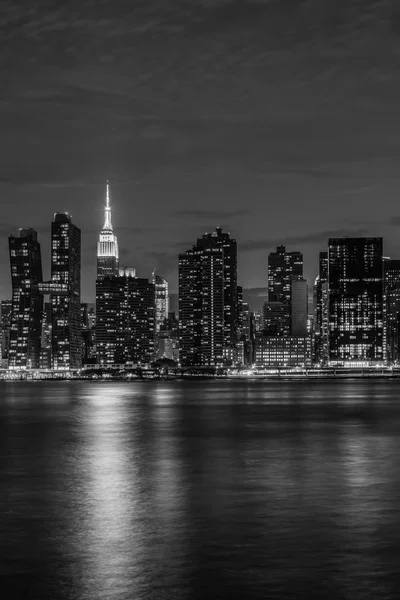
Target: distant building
[65,290]
[355,306]
[280,352]
[125,320]
[27,301]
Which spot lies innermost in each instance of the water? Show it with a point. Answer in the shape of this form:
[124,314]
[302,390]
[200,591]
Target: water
[213,489]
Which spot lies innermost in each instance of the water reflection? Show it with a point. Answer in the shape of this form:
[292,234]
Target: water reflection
[194,490]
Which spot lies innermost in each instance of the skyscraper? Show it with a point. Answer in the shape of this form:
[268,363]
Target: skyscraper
[125,319]
[283,268]
[65,290]
[212,309]
[107,246]
[27,301]
[228,245]
[321,311]
[355,306]
[391,291]
[208,301]
[190,308]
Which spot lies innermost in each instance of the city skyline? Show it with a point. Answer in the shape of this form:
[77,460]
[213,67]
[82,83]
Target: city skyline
[275,135]
[255,296]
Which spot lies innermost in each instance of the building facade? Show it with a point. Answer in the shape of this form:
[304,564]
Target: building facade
[125,320]
[27,301]
[355,303]
[282,352]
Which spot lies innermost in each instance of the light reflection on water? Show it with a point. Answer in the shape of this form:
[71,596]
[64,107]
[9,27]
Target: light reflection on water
[199,490]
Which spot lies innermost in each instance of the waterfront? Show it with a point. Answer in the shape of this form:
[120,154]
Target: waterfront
[199,489]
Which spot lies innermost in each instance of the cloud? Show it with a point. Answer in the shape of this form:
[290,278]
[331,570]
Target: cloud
[318,237]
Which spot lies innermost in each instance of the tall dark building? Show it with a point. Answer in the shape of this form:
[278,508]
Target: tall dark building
[65,289]
[213,307]
[283,268]
[355,307]
[208,314]
[6,310]
[125,320]
[27,301]
[228,245]
[320,353]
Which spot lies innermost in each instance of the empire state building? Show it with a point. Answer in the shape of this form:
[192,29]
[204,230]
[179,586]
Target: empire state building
[107,246]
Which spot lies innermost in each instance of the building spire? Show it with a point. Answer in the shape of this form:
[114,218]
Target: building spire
[107,210]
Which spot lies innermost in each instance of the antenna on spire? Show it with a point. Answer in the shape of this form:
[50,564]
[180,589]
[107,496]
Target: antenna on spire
[108,195]
[107,211]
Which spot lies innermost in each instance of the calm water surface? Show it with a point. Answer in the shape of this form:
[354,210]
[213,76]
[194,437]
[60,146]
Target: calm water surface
[200,490]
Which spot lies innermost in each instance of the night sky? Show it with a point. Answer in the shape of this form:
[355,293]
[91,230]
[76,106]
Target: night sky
[278,120]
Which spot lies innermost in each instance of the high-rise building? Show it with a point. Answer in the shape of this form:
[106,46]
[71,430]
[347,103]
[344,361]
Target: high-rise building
[392,325]
[228,245]
[6,309]
[208,301]
[391,291]
[107,246]
[65,290]
[190,308]
[125,320]
[161,291]
[299,308]
[355,306]
[27,301]
[320,330]
[212,309]
[283,268]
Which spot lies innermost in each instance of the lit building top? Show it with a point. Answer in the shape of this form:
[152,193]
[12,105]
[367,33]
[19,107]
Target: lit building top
[107,246]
